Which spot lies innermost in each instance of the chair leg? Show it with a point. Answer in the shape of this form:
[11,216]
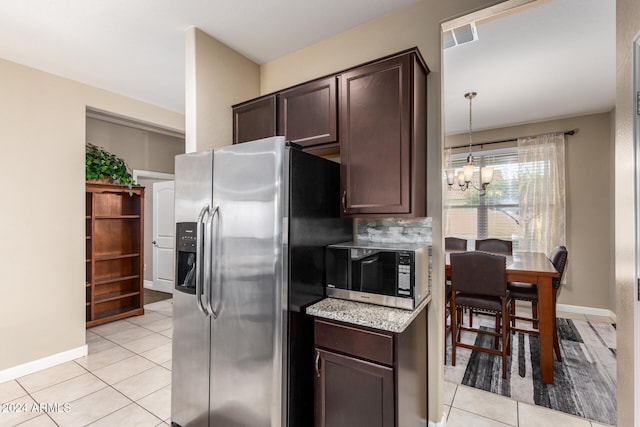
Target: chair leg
[445,333]
[556,342]
[447,309]
[454,328]
[509,338]
[556,345]
[505,326]
[496,339]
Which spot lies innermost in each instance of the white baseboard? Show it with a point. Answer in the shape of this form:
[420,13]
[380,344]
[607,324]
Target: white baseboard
[441,423]
[159,287]
[44,363]
[586,310]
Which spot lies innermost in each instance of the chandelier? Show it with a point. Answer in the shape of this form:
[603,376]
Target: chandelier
[465,176]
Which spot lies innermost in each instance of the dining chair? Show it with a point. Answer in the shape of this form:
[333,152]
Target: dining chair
[455,244]
[495,246]
[529,292]
[450,244]
[479,282]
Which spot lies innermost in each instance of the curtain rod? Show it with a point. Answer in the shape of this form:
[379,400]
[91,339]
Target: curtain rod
[567,132]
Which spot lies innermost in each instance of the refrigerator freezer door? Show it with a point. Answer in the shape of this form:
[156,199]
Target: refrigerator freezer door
[249,287]
[191,326]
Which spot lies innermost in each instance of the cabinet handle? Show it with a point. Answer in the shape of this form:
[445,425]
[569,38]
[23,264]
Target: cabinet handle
[344,201]
[318,364]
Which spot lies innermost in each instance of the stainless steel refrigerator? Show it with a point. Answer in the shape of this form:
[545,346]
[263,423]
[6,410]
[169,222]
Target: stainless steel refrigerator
[252,221]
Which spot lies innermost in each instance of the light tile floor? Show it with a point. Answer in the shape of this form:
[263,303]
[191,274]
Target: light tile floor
[126,381]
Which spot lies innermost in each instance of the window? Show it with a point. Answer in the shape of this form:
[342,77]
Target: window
[496,214]
[525,202]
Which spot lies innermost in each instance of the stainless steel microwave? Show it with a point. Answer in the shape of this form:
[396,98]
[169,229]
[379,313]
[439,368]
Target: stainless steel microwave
[389,274]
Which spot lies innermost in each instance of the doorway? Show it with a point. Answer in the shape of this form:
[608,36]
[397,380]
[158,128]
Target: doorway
[158,261]
[495,122]
[149,150]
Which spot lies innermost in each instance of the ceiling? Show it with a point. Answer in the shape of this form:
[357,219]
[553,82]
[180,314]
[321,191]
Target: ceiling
[554,60]
[136,48]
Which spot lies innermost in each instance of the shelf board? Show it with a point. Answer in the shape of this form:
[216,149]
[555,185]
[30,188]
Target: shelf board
[110,257]
[117,217]
[115,279]
[111,296]
[115,314]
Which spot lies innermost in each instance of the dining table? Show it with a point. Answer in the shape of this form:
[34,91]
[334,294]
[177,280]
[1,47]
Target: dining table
[535,268]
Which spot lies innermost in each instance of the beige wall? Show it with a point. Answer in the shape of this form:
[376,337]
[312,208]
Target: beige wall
[627,29]
[588,279]
[140,149]
[217,77]
[42,129]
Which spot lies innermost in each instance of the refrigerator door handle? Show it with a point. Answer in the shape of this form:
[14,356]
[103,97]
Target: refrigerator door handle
[199,257]
[209,266]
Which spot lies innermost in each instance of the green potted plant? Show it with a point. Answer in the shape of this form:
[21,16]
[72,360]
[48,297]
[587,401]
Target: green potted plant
[101,164]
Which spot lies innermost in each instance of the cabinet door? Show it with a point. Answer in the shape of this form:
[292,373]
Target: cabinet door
[375,137]
[352,393]
[254,119]
[307,114]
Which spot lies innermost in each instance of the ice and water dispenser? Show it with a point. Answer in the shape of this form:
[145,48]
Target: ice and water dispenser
[186,257]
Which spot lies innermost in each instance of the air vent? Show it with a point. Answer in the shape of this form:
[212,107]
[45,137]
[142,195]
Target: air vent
[460,35]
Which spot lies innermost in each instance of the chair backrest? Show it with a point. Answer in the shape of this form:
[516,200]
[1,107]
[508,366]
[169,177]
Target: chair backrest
[558,258]
[455,244]
[495,246]
[479,273]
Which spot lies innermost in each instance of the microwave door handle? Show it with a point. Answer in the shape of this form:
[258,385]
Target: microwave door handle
[213,267]
[367,262]
[364,264]
[200,257]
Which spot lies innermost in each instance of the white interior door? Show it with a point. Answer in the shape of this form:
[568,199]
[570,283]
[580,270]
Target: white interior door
[163,236]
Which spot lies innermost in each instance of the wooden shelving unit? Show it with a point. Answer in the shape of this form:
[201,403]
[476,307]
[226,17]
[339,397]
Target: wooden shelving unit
[114,252]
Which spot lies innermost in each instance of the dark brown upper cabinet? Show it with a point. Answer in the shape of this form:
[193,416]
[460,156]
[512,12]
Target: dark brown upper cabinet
[255,119]
[383,137]
[307,114]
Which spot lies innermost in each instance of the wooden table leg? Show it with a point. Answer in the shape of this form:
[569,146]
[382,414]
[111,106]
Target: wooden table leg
[545,314]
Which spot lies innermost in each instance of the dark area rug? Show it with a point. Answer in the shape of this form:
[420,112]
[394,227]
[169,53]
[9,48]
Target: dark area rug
[585,380]
[151,296]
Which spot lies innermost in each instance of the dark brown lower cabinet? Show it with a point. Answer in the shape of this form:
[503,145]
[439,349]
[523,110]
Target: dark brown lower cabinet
[353,392]
[366,377]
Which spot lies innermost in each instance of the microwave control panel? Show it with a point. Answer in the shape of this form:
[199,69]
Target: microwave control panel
[404,273]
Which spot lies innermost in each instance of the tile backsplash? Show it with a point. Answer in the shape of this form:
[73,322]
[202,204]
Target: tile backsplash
[394,230]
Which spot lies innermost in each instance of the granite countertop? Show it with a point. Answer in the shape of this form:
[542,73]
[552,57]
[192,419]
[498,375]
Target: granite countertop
[373,316]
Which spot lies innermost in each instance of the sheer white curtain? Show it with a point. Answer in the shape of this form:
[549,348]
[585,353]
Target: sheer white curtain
[541,191]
